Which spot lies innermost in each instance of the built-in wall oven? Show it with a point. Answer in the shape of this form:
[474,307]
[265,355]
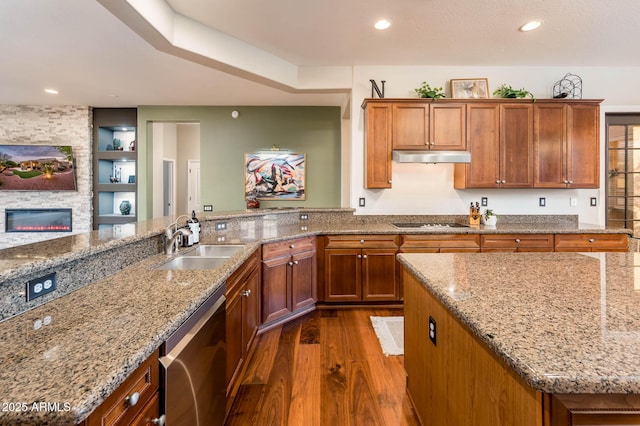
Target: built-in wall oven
[193,362]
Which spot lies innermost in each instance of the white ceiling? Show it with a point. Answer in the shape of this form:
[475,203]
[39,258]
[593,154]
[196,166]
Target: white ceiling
[93,58]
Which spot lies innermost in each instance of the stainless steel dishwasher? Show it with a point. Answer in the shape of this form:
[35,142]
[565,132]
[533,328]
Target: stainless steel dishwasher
[194,367]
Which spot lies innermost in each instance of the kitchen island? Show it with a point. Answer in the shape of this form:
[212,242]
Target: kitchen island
[523,339]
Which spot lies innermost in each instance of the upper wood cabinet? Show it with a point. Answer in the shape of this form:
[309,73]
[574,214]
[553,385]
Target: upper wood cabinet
[377,147]
[408,124]
[566,145]
[500,139]
[515,143]
[424,126]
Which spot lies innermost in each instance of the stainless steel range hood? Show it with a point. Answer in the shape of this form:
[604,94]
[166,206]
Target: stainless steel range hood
[431,156]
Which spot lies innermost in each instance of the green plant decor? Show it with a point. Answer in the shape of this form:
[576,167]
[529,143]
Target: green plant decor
[505,91]
[426,91]
[489,212]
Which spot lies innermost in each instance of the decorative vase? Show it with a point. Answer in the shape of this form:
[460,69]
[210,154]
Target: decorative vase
[125,207]
[491,220]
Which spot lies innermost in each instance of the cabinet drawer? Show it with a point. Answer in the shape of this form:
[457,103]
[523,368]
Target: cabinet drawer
[592,242]
[361,241]
[241,274]
[510,241]
[288,247]
[116,409]
[440,241]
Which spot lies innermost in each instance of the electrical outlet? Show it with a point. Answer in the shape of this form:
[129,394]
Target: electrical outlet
[208,207]
[221,239]
[304,216]
[484,201]
[593,202]
[221,226]
[542,201]
[432,330]
[38,287]
[573,201]
[361,202]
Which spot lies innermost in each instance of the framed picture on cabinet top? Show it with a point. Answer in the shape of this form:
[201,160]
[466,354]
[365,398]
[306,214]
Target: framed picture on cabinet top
[470,88]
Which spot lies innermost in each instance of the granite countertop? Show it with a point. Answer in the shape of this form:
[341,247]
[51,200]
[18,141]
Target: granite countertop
[565,322]
[93,337]
[96,336]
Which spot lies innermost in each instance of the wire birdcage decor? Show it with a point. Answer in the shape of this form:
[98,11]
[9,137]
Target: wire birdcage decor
[569,87]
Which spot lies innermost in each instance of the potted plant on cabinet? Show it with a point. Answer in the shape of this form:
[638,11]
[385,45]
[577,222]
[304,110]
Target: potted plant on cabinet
[505,91]
[489,217]
[426,91]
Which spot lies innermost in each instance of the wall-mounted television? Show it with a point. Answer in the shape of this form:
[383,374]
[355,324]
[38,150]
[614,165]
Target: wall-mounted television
[37,168]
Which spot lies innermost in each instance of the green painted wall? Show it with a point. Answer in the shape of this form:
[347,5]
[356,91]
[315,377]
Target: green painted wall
[224,141]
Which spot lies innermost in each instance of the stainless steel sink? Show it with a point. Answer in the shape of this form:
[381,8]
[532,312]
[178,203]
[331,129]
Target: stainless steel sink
[193,262]
[215,250]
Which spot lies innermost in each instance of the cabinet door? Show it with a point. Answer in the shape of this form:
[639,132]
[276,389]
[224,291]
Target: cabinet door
[235,354]
[516,145]
[303,280]
[275,289]
[379,275]
[250,310]
[342,275]
[377,146]
[549,145]
[150,414]
[583,151]
[447,127]
[410,126]
[483,121]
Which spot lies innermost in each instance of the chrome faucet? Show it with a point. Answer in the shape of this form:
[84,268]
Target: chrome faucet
[171,236]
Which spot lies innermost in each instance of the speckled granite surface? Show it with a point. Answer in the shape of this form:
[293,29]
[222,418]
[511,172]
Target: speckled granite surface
[565,322]
[118,310]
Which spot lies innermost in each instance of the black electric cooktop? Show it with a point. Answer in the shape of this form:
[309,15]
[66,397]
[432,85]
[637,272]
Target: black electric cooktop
[428,225]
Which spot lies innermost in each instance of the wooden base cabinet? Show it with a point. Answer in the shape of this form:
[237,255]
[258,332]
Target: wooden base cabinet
[288,278]
[591,242]
[243,317]
[360,268]
[457,381]
[517,243]
[440,243]
[135,401]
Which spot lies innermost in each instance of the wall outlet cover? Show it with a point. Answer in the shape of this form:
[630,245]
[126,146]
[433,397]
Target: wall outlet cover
[542,202]
[38,287]
[208,207]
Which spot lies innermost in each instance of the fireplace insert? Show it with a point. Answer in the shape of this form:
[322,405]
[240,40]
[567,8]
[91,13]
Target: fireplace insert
[37,220]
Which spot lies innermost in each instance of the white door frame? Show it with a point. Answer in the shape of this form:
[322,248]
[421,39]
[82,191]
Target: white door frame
[172,195]
[193,187]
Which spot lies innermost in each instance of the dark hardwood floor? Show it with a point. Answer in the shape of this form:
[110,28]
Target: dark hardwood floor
[326,368]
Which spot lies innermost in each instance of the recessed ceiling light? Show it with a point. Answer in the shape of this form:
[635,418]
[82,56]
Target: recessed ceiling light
[531,25]
[382,24]
[51,91]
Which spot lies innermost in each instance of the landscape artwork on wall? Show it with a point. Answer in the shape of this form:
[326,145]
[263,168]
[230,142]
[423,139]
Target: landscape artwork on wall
[275,175]
[36,168]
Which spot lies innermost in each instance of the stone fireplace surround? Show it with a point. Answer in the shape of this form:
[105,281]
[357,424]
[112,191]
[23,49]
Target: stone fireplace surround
[50,125]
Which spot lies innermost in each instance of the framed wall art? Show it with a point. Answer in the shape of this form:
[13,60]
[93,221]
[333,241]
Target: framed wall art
[470,88]
[36,168]
[275,175]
